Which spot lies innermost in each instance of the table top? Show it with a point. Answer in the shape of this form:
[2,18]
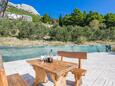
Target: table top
[56,67]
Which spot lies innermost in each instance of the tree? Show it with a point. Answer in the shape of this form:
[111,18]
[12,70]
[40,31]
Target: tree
[84,18]
[46,19]
[94,24]
[110,20]
[3,6]
[61,21]
[94,16]
[77,17]
[67,20]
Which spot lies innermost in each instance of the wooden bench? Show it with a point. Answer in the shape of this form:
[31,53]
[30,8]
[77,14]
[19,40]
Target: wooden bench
[11,80]
[78,71]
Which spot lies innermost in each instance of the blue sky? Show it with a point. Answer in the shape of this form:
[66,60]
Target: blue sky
[56,7]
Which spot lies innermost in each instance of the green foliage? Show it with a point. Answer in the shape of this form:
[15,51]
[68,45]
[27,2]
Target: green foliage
[60,34]
[3,5]
[61,21]
[81,19]
[33,31]
[77,17]
[67,20]
[110,20]
[93,16]
[81,39]
[46,19]
[22,29]
[76,27]
[94,24]
[37,31]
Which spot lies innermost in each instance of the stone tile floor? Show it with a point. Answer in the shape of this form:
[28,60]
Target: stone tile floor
[100,70]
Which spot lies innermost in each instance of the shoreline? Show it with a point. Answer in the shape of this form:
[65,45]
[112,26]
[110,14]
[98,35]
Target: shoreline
[14,42]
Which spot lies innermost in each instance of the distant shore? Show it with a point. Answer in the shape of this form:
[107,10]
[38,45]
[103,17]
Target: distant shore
[12,41]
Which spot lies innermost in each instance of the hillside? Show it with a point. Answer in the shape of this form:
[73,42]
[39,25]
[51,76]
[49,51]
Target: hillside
[15,10]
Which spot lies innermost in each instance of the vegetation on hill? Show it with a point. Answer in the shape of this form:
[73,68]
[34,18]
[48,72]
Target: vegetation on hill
[77,27]
[93,19]
[46,19]
[14,10]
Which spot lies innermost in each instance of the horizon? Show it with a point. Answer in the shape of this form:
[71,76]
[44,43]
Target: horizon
[66,7]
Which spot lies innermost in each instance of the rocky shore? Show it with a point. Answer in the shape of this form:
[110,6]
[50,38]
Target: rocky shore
[8,41]
[12,41]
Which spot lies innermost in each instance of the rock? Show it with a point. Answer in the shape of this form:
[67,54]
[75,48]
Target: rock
[24,7]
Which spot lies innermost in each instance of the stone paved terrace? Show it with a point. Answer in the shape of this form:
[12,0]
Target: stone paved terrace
[100,70]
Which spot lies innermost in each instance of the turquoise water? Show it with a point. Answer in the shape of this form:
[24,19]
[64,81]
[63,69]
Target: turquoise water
[19,53]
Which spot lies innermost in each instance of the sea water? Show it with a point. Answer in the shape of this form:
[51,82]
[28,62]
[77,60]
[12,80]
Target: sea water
[20,53]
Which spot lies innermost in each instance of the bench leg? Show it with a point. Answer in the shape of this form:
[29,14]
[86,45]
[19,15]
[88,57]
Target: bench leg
[78,79]
[78,82]
[58,81]
[40,76]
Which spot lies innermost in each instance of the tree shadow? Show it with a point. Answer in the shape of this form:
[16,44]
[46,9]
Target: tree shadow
[30,79]
[112,53]
[70,83]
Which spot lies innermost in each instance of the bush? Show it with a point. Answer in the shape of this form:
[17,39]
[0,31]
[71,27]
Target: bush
[38,31]
[60,34]
[81,40]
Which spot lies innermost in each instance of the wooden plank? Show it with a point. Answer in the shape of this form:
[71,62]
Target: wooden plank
[78,72]
[3,78]
[40,76]
[79,55]
[12,80]
[57,67]
[57,70]
[58,81]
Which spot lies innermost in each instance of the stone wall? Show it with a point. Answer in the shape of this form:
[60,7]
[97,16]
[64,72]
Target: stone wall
[17,16]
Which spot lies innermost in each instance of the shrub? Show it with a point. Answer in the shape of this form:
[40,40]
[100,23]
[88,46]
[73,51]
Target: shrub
[38,31]
[81,40]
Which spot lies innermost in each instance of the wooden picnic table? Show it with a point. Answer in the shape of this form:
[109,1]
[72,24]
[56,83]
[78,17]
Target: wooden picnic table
[57,70]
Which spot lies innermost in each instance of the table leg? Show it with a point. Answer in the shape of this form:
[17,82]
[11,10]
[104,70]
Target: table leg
[40,76]
[58,81]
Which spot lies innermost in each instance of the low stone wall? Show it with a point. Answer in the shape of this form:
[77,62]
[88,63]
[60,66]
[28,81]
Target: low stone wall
[17,16]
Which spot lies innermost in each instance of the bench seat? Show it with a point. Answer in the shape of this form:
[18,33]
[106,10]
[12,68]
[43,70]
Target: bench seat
[11,80]
[15,80]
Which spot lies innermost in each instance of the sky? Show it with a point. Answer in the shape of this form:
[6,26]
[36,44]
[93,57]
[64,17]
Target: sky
[55,8]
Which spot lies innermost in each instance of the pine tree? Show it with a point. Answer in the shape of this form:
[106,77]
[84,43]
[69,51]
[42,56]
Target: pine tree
[46,19]
[61,21]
